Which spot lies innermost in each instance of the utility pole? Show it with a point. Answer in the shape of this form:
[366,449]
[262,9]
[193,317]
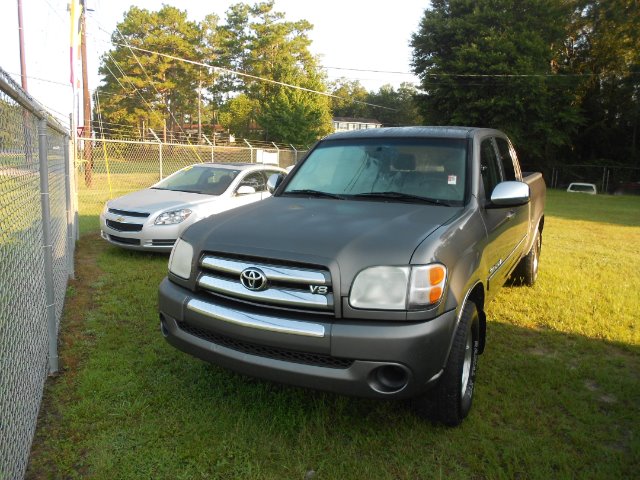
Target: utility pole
[86,100]
[23,65]
[199,108]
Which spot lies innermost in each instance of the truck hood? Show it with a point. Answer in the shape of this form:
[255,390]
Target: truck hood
[152,200]
[348,235]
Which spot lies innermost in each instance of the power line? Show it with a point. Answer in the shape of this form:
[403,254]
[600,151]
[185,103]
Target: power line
[254,77]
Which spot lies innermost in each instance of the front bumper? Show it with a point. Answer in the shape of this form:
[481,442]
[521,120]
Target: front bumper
[155,238]
[383,359]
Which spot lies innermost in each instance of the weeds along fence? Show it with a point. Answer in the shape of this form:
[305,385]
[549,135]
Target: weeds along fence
[37,240]
[110,168]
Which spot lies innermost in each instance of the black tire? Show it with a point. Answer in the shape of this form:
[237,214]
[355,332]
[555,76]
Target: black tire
[526,273]
[450,401]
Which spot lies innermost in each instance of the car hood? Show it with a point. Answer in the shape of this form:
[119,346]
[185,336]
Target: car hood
[342,234]
[152,200]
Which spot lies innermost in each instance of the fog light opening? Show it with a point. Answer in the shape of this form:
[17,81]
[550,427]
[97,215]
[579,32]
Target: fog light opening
[163,327]
[389,379]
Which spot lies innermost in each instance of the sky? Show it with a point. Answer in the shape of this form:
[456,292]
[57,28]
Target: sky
[363,40]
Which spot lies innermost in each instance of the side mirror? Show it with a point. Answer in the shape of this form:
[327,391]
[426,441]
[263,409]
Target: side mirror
[274,181]
[510,194]
[245,190]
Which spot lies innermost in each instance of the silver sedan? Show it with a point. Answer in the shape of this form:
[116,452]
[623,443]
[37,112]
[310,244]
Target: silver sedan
[153,218]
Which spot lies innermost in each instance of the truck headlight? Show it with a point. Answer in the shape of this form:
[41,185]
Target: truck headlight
[398,288]
[173,217]
[180,259]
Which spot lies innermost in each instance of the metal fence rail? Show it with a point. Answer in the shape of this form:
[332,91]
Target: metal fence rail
[36,259]
[110,168]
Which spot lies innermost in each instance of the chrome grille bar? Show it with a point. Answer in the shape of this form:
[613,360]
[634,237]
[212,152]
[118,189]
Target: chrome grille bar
[293,275]
[275,296]
[260,322]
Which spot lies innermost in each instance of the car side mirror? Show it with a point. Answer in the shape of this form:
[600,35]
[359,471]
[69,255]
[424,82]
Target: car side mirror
[245,190]
[274,181]
[510,194]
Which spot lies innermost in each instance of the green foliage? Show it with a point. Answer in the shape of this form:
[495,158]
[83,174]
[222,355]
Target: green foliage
[238,113]
[465,53]
[401,106]
[352,98]
[140,87]
[297,116]
[259,42]
[459,41]
[389,106]
[605,42]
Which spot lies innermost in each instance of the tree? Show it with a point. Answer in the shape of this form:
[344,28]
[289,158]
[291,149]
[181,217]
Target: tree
[238,113]
[493,63]
[352,101]
[146,88]
[257,41]
[399,106]
[604,45]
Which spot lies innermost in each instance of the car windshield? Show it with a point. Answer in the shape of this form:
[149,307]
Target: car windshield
[199,179]
[402,170]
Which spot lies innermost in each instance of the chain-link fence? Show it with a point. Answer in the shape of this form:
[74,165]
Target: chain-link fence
[110,168]
[36,259]
[615,180]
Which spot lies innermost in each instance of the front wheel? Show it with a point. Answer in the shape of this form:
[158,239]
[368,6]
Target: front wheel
[450,401]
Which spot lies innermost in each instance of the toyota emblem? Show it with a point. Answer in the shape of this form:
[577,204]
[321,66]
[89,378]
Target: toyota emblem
[253,279]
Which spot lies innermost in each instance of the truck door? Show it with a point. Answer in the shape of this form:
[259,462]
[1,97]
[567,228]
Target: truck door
[506,227]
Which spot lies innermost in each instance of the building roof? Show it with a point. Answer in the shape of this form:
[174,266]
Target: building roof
[356,120]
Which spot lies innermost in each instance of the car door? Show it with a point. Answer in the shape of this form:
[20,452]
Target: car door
[505,226]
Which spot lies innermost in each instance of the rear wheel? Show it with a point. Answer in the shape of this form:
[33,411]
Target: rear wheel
[527,271]
[450,401]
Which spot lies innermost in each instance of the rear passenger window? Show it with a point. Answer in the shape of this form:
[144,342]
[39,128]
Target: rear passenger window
[505,159]
[489,167]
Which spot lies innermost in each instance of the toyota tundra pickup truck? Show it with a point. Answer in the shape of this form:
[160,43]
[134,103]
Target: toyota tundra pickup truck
[368,271]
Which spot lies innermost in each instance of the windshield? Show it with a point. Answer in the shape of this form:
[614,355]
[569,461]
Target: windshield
[199,179]
[385,169]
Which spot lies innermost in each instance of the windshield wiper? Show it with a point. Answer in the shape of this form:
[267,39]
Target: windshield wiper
[315,193]
[406,197]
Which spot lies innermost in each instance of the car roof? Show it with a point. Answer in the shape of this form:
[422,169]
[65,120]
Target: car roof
[237,165]
[411,132]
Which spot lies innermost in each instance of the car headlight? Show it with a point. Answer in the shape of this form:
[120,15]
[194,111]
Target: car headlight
[398,288]
[180,259]
[173,217]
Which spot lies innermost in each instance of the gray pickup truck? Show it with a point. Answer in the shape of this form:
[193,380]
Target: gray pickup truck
[369,269]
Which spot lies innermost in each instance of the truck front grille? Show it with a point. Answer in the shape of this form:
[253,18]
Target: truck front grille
[267,283]
[276,353]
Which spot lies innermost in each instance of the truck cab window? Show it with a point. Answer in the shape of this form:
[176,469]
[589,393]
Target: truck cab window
[506,159]
[489,167]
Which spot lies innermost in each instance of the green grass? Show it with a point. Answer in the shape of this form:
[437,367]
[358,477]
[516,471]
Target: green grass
[557,393]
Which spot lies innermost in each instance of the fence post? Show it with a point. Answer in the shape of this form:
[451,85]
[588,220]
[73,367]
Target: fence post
[69,205]
[47,244]
[159,152]
[278,152]
[210,144]
[250,149]
[295,161]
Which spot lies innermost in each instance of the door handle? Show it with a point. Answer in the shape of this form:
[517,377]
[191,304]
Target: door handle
[511,214]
